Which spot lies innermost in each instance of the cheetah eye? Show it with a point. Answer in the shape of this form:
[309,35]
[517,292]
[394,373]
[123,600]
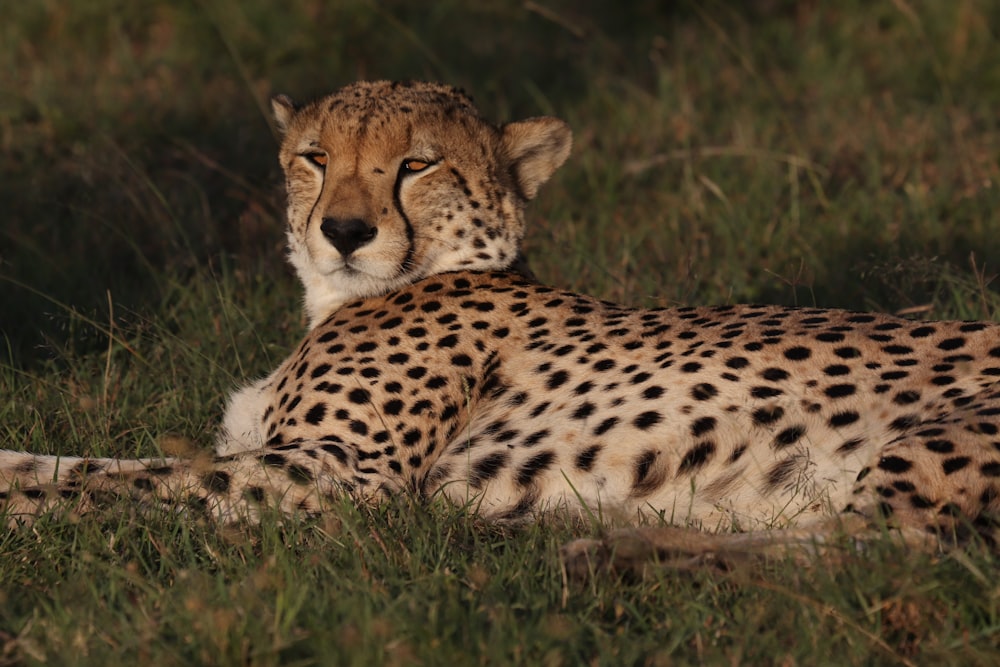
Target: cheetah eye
[318,159]
[414,166]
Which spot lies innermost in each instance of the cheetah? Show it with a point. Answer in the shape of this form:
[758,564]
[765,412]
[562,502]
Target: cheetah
[433,366]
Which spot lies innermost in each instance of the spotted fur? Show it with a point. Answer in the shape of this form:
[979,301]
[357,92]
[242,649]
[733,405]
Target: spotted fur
[431,368]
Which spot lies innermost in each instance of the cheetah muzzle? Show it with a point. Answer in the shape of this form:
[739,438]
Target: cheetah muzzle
[433,369]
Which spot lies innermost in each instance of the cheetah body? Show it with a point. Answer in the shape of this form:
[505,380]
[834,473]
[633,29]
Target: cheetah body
[432,368]
[734,415]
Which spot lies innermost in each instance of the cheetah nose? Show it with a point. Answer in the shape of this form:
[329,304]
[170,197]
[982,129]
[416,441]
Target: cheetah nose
[347,235]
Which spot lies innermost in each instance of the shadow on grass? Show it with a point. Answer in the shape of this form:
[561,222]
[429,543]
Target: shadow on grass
[139,146]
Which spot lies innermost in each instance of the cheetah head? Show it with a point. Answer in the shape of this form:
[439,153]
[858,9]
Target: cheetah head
[391,182]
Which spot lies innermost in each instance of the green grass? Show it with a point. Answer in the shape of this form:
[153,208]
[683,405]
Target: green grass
[838,154]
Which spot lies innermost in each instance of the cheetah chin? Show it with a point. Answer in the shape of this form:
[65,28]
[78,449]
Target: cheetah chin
[433,368]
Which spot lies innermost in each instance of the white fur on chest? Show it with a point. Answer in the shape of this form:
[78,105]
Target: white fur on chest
[242,424]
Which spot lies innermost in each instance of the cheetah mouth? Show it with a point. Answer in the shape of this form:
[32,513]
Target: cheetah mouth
[352,269]
[347,266]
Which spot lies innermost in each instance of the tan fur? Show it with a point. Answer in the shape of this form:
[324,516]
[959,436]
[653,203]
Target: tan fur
[432,369]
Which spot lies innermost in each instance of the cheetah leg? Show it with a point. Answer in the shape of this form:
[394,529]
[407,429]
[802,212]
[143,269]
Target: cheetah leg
[640,549]
[643,549]
[935,486]
[942,476]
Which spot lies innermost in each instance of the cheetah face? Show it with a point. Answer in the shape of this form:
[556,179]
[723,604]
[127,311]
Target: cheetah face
[389,183]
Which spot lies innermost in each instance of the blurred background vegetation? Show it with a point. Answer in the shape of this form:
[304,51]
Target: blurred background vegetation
[838,153]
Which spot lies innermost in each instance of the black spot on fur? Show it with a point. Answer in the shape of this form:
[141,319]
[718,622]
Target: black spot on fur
[774,374]
[359,396]
[585,459]
[906,397]
[849,446]
[905,422]
[522,508]
[276,460]
[788,436]
[653,392]
[299,474]
[646,477]
[736,363]
[534,466]
[320,371]
[767,415]
[703,391]
[765,392]
[216,480]
[647,420]
[940,446]
[780,472]
[990,469]
[840,390]
[536,437]
[845,418]
[606,425]
[702,426]
[951,343]
[86,467]
[954,464]
[585,410]
[894,464]
[696,457]
[557,379]
[487,468]
[316,414]
[142,483]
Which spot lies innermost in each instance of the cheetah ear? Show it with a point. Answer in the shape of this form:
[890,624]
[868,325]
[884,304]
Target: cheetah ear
[536,148]
[283,109]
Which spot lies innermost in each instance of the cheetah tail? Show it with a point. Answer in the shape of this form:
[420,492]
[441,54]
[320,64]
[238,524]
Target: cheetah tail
[227,489]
